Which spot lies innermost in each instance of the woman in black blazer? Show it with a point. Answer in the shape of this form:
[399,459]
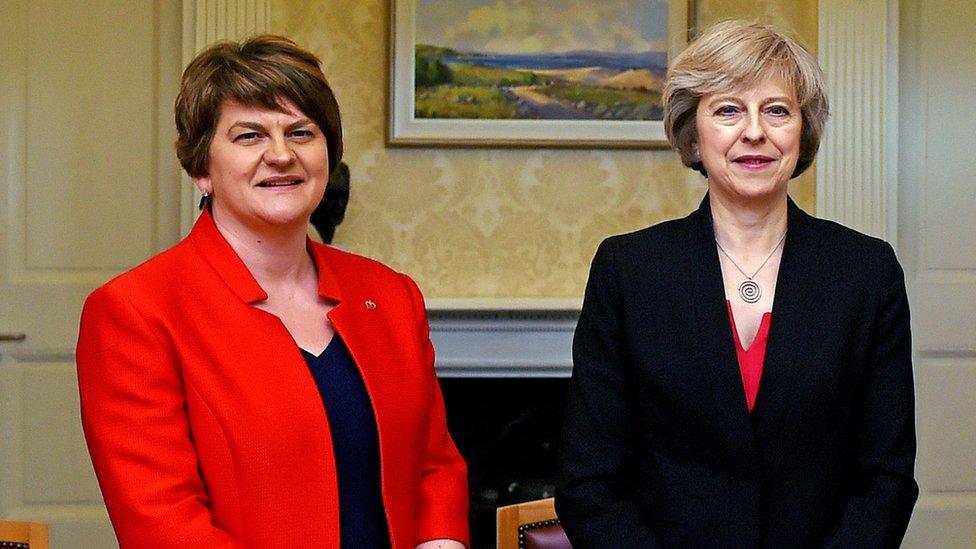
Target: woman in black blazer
[742,376]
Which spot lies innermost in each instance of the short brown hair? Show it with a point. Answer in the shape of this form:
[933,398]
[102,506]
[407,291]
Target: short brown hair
[735,53]
[259,71]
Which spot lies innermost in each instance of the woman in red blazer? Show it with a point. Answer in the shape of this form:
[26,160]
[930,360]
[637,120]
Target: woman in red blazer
[249,387]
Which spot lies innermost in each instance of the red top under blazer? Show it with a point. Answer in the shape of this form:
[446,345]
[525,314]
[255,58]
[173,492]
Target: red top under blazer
[206,428]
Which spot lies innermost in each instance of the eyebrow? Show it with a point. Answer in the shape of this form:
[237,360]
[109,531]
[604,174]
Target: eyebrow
[260,127]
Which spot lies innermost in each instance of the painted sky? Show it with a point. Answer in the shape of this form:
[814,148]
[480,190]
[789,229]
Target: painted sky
[531,26]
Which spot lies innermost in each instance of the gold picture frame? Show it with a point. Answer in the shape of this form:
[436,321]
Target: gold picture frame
[409,125]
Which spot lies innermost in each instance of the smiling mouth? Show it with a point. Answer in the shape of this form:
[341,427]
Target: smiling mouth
[279,182]
[753,161]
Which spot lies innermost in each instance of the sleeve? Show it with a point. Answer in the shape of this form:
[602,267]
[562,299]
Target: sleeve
[133,413]
[878,511]
[443,512]
[595,499]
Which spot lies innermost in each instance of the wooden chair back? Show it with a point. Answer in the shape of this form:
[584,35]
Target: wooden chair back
[530,525]
[23,535]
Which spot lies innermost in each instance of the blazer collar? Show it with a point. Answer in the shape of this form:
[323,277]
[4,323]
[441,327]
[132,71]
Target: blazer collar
[219,254]
[715,338]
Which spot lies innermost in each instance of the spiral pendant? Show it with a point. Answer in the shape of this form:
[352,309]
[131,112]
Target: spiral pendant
[749,291]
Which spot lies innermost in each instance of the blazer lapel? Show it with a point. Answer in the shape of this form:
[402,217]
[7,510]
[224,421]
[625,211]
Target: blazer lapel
[793,284]
[361,328]
[715,344]
[362,332]
[218,253]
[359,318]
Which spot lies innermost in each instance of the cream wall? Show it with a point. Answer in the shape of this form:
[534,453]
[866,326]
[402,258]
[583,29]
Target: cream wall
[502,223]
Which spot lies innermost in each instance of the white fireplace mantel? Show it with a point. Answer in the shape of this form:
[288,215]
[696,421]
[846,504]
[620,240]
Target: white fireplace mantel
[499,343]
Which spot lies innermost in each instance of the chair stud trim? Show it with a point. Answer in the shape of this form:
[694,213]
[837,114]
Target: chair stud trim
[523,528]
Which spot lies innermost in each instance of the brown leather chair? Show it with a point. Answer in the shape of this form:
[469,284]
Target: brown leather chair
[23,535]
[531,525]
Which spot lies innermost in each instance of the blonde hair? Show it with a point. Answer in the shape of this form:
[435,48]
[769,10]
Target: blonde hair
[735,53]
[259,71]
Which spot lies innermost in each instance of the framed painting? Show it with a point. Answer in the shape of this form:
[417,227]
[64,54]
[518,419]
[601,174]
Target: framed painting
[496,73]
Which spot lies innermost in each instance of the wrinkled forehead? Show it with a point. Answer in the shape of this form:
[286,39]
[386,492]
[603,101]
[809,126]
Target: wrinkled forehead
[280,105]
[782,75]
[769,84]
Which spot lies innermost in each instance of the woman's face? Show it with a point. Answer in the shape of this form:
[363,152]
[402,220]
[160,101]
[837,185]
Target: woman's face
[749,139]
[267,169]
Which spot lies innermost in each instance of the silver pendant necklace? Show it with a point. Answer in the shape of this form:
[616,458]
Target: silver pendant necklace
[749,290]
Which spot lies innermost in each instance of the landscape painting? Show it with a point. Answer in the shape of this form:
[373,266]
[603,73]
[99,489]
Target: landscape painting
[573,72]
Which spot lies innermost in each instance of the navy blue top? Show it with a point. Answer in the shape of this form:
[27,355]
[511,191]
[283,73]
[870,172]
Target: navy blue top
[362,522]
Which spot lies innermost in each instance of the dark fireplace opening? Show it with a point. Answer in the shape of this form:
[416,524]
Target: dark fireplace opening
[507,430]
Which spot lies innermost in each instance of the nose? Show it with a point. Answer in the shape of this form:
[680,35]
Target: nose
[754,131]
[279,152]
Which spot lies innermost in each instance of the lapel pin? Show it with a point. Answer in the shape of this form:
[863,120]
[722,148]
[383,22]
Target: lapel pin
[370,304]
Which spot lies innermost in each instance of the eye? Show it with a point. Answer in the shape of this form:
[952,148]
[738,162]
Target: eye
[303,134]
[247,137]
[726,110]
[778,110]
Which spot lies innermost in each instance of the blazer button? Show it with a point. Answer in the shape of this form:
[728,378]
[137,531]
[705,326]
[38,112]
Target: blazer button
[370,304]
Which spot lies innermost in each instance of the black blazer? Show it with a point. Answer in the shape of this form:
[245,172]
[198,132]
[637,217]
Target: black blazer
[658,446]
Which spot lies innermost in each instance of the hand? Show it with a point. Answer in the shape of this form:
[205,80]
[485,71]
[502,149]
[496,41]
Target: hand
[440,544]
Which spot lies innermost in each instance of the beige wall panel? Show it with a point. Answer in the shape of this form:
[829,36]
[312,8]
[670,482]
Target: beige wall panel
[90,181]
[89,186]
[946,408]
[504,223]
[89,141]
[797,17]
[10,435]
[56,466]
[949,195]
[936,209]
[935,159]
[944,521]
[41,436]
[94,532]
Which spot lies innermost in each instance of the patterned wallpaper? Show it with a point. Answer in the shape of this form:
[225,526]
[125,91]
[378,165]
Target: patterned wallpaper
[484,223]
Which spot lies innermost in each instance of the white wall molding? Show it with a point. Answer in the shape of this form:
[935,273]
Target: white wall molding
[503,343]
[857,168]
[222,19]
[205,22]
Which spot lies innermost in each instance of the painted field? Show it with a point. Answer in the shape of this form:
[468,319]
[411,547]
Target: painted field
[573,85]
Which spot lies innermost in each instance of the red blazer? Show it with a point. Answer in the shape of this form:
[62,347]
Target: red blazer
[206,428]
